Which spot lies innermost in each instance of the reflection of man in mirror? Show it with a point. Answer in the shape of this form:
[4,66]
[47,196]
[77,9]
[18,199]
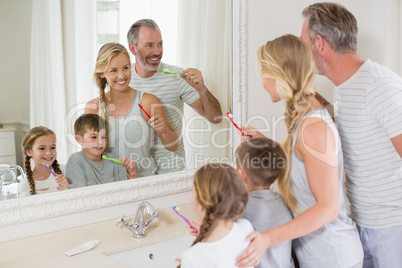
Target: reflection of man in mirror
[145,42]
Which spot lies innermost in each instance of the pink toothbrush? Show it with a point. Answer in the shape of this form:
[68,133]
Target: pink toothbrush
[51,171]
[184,218]
[229,114]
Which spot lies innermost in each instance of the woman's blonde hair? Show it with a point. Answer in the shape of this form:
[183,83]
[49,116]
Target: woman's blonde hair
[222,193]
[106,53]
[27,144]
[290,62]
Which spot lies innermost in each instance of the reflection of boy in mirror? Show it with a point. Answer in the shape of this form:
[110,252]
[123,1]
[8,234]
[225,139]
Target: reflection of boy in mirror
[260,161]
[145,42]
[87,167]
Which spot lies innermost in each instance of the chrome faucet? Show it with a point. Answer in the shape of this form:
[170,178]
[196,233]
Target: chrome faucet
[8,169]
[139,226]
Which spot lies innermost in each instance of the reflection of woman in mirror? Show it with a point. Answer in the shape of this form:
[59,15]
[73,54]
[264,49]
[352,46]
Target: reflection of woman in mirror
[39,144]
[129,133]
[324,235]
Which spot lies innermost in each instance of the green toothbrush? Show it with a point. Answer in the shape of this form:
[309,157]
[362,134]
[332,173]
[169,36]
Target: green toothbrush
[167,72]
[111,159]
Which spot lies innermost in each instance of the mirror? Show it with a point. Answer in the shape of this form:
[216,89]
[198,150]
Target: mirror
[210,81]
[41,207]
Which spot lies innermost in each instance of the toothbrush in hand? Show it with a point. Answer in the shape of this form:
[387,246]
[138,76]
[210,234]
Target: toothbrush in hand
[167,72]
[51,171]
[111,159]
[144,111]
[229,114]
[184,218]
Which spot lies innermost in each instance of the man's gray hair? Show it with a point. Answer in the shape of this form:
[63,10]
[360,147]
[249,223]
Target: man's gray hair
[133,32]
[334,23]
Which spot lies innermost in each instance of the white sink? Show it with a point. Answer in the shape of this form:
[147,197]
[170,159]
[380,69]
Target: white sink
[162,254]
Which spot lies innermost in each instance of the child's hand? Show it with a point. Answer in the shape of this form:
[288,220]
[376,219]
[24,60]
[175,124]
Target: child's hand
[62,182]
[249,132]
[131,167]
[158,123]
[196,230]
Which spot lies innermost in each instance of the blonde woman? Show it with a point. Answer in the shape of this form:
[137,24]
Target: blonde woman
[323,233]
[129,128]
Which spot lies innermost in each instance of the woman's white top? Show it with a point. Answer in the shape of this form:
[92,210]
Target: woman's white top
[336,244]
[221,253]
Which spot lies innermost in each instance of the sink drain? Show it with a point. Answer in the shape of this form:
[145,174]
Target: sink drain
[151,256]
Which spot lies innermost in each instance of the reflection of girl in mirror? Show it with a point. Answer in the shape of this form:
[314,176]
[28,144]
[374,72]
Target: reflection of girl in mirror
[219,198]
[322,232]
[39,144]
[128,131]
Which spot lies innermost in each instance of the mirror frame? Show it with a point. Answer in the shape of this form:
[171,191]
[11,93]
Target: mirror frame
[41,207]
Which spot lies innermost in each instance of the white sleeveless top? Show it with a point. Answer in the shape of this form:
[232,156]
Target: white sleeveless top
[131,136]
[336,244]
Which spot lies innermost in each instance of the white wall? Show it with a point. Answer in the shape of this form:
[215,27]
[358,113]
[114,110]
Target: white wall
[379,39]
[15,28]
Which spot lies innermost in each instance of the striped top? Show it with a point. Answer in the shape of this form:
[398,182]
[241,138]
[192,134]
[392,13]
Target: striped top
[172,91]
[368,111]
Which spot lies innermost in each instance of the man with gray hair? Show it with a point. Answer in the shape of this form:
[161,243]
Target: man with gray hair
[368,110]
[145,43]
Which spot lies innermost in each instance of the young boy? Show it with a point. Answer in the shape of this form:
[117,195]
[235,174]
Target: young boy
[260,161]
[87,167]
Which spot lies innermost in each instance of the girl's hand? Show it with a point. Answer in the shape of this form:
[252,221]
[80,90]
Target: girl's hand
[62,182]
[196,230]
[249,132]
[158,123]
[254,252]
[131,167]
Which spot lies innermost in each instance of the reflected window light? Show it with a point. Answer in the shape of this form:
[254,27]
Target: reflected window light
[114,18]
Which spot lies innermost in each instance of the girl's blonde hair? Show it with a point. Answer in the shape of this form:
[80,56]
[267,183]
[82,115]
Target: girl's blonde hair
[222,193]
[106,53]
[27,144]
[290,62]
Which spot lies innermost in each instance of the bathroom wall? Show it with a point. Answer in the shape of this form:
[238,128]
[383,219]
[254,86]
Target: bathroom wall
[15,29]
[379,39]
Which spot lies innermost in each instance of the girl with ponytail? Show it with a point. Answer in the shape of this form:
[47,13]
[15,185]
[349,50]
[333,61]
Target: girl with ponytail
[312,185]
[219,198]
[39,144]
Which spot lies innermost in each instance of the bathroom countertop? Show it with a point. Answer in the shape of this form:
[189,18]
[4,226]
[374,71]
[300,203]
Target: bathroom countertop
[47,250]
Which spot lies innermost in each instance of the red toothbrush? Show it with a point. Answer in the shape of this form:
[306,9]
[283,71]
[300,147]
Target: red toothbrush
[229,114]
[144,110]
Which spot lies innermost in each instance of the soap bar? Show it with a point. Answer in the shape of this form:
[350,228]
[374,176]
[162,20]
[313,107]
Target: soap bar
[82,248]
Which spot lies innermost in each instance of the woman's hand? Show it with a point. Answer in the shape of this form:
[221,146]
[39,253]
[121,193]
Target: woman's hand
[253,254]
[61,180]
[131,167]
[249,132]
[158,123]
